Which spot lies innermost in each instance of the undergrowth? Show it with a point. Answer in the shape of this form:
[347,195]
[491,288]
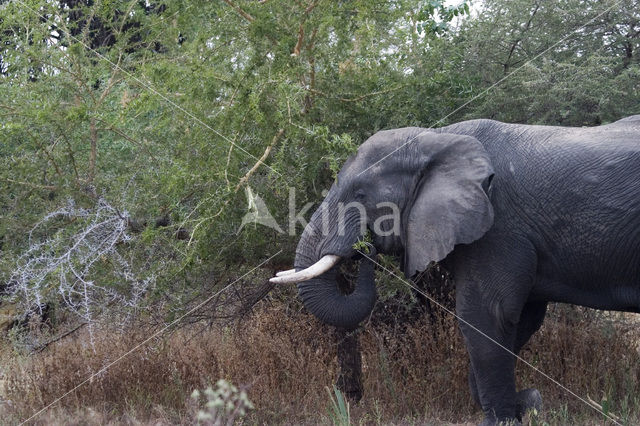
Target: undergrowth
[286,361]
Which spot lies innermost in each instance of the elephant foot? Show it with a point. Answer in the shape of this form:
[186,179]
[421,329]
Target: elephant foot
[527,399]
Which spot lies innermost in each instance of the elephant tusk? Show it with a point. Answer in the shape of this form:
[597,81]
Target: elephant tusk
[320,267]
[287,272]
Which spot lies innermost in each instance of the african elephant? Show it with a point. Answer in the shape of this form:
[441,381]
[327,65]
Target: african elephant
[520,215]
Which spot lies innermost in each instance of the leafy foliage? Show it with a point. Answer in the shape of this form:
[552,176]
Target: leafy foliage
[435,9]
[167,110]
[572,62]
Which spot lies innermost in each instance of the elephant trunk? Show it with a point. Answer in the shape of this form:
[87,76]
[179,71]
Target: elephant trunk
[321,247]
[322,297]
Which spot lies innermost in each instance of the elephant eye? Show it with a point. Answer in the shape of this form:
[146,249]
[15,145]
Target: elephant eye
[360,194]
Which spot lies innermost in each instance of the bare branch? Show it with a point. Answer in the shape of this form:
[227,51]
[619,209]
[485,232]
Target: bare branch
[255,167]
[241,12]
[296,48]
[57,261]
[56,339]
[94,150]
[31,185]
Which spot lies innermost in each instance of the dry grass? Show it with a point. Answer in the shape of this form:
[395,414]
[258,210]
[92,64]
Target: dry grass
[287,360]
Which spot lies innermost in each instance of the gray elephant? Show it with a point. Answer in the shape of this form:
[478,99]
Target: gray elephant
[520,215]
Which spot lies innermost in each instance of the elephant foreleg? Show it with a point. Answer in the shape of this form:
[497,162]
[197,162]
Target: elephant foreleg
[490,301]
[350,363]
[530,321]
[526,399]
[493,369]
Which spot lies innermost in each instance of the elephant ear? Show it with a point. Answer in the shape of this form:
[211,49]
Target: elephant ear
[450,203]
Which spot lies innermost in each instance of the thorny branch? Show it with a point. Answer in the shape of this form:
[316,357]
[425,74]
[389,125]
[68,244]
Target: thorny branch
[94,150]
[67,264]
[124,135]
[44,345]
[507,64]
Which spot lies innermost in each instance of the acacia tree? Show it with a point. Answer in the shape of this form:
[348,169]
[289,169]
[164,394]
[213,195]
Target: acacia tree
[165,112]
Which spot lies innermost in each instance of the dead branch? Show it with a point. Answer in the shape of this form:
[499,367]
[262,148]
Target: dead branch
[253,169]
[357,98]
[31,185]
[248,302]
[241,12]
[56,339]
[296,48]
[94,150]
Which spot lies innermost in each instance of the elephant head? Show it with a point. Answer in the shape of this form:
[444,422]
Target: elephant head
[417,191]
